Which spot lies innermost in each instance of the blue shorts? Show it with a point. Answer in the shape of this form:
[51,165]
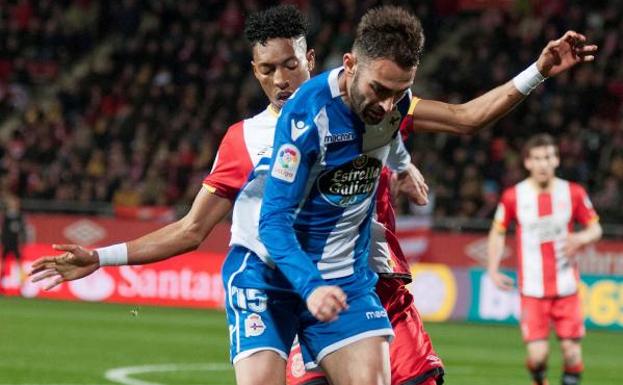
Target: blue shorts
[364,318]
[265,313]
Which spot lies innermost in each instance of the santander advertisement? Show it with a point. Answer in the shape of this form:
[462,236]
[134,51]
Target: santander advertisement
[191,280]
[194,280]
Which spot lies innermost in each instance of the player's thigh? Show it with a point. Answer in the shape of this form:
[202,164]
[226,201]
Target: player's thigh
[296,374]
[412,356]
[535,318]
[260,320]
[365,362]
[567,317]
[261,368]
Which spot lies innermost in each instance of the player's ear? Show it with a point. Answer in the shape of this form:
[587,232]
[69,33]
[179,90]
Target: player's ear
[311,59]
[350,63]
[526,163]
[556,161]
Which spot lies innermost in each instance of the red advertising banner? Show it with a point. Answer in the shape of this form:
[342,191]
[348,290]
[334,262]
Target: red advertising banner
[470,249]
[194,280]
[189,280]
[96,231]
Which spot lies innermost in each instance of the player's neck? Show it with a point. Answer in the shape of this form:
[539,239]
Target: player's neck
[274,109]
[542,186]
[341,81]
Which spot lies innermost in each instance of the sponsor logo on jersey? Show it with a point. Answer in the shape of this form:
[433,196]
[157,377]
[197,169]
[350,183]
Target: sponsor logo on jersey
[297,128]
[376,314]
[339,138]
[287,163]
[352,182]
[254,326]
[547,229]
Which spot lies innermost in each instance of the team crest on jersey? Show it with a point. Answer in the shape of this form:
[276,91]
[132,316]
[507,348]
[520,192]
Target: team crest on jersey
[287,163]
[297,366]
[350,183]
[254,326]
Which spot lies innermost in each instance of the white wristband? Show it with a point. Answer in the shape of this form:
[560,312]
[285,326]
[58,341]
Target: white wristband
[528,79]
[113,255]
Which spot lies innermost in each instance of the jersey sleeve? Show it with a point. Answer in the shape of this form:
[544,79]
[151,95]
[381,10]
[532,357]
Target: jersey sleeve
[398,158]
[506,211]
[583,211]
[232,165]
[295,151]
[407,126]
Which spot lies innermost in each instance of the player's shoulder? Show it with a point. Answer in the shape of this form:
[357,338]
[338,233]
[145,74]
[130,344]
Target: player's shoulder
[267,117]
[314,94]
[509,194]
[576,189]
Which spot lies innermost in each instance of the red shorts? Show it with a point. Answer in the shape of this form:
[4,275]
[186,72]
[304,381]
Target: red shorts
[412,356]
[563,313]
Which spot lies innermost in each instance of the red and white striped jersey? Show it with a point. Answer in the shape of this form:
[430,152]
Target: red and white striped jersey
[242,148]
[544,220]
[245,144]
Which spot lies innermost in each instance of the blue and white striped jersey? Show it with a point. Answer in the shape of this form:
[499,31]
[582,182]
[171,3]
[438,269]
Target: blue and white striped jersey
[320,192]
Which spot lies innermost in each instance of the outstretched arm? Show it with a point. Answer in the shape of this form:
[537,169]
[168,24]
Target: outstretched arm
[468,118]
[176,238]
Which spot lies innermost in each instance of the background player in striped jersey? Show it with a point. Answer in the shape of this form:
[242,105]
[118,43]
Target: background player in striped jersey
[545,209]
[283,63]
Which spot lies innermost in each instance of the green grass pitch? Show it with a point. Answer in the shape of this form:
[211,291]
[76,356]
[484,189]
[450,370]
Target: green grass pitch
[68,343]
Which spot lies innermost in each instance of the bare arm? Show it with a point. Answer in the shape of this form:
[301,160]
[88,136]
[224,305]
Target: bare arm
[575,241]
[176,238]
[468,118]
[495,248]
[184,235]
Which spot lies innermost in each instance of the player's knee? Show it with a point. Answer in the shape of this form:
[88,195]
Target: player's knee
[571,352]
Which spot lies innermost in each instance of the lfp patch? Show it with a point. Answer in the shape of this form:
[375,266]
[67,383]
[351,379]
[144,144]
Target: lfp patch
[287,163]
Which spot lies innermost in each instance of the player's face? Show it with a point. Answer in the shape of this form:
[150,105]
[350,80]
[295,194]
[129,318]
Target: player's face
[281,66]
[376,86]
[542,162]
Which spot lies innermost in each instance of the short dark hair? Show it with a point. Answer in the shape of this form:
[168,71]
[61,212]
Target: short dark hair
[539,140]
[281,21]
[390,32]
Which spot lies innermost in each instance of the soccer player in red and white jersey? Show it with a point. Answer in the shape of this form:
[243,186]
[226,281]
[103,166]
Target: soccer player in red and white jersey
[545,210]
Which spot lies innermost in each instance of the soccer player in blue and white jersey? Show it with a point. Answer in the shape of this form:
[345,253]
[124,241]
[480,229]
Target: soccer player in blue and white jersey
[331,142]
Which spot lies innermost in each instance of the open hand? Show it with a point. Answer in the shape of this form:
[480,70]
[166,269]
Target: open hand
[562,54]
[411,183]
[77,262]
[502,281]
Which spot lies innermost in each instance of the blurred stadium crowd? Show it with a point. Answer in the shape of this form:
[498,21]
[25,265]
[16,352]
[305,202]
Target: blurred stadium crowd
[126,101]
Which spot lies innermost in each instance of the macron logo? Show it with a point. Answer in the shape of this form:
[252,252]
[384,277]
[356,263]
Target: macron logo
[376,314]
[297,128]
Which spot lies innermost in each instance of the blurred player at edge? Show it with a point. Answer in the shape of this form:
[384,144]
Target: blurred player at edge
[280,76]
[545,209]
